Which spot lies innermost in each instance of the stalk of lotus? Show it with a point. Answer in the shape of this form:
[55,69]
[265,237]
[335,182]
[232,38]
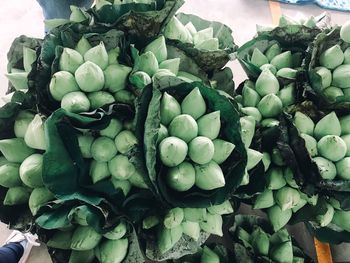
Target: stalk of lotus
[273,51]
[326,76]
[140,79]
[252,111]
[62,83]
[343,168]
[168,237]
[9,175]
[345,32]
[60,240]
[120,167]
[310,144]
[112,251]
[341,219]
[212,225]
[83,46]
[85,142]
[113,129]
[171,65]
[70,60]
[17,195]
[222,150]
[209,125]
[332,57]
[82,256]
[182,177]
[176,30]
[117,233]
[77,14]
[116,76]
[332,147]
[195,214]
[209,256]
[90,77]
[267,83]
[341,76]
[99,171]
[269,67]
[247,130]
[194,104]
[203,35]
[15,150]
[250,97]
[29,57]
[169,109]
[100,98]
[260,241]
[23,119]
[103,149]
[201,150]
[121,185]
[270,106]
[38,198]
[158,48]
[75,102]
[173,151]
[328,125]
[224,208]
[278,217]
[283,60]
[97,55]
[287,73]
[209,176]
[258,58]
[191,229]
[275,178]
[31,169]
[150,222]
[326,168]
[254,157]
[332,93]
[287,198]
[264,200]
[174,217]
[19,80]
[148,63]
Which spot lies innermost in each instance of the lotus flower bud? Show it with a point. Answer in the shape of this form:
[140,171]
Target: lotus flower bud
[77,15]
[326,76]
[345,124]
[326,168]
[287,73]
[304,123]
[203,35]
[103,149]
[15,150]
[327,217]
[195,214]
[269,122]
[209,125]
[86,256]
[222,150]
[29,57]
[278,217]
[209,176]
[173,151]
[176,30]
[191,229]
[280,236]
[122,185]
[282,252]
[168,237]
[98,55]
[300,205]
[113,55]
[125,141]
[270,106]
[201,150]
[209,256]
[211,44]
[70,60]
[191,28]
[35,135]
[194,104]
[267,83]
[341,219]
[100,98]
[254,157]
[140,79]
[169,109]
[75,102]
[113,129]
[332,147]
[62,83]
[224,208]
[174,217]
[266,160]
[120,167]
[38,198]
[258,58]
[60,240]
[287,198]
[335,203]
[264,200]
[343,168]
[83,46]
[332,93]
[260,241]
[287,95]
[310,144]
[124,96]
[85,238]
[158,48]
[7,98]
[250,97]
[182,177]
[162,73]
[112,250]
[275,178]
[17,195]
[9,175]
[332,57]
[137,180]
[283,60]
[148,63]
[171,64]
[116,76]
[23,119]
[117,233]
[347,56]
[341,76]
[277,158]
[243,236]
[31,171]
[85,142]
[90,77]
[101,3]
[345,32]
[150,222]
[18,80]
[187,77]
[247,130]
[289,176]
[346,139]
[269,67]
[273,51]
[99,171]
[212,225]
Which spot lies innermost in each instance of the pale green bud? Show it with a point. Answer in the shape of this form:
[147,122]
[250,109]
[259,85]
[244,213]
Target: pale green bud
[103,149]
[310,144]
[116,76]
[327,217]
[150,222]
[332,93]
[99,171]
[287,95]
[29,57]
[346,139]
[100,98]
[289,176]
[287,198]
[332,57]
[258,58]
[85,142]
[17,195]
[117,233]
[125,141]
[269,67]
[341,219]
[203,35]
[171,64]
[90,77]
[184,127]
[9,175]
[187,77]
[260,241]
[328,125]
[23,119]
[209,256]
[122,185]
[212,225]
[121,168]
[35,135]
[209,125]
[112,251]
[269,122]
[173,151]
[137,180]
[301,204]
[211,44]
[195,214]
[347,56]
[345,32]
[101,3]
[343,168]
[283,60]
[191,28]
[113,55]
[267,83]
[332,147]
[264,200]
[113,129]
[62,83]
[250,97]
[60,240]
[287,73]
[162,133]
[247,130]
[278,217]
[85,238]
[140,79]
[191,229]
[19,80]
[77,15]
[176,30]
[266,160]
[222,209]
[194,104]
[254,157]
[304,123]
[83,46]
[169,109]
[15,150]
[182,177]
[162,73]
[98,55]
[275,178]
[31,171]
[148,63]
[282,252]
[70,60]
[124,96]
[209,176]
[345,124]
[341,76]
[158,48]
[326,168]
[173,217]
[168,237]
[326,76]
[222,150]
[273,51]
[270,106]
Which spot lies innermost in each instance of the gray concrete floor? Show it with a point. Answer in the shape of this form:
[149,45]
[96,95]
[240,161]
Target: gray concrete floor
[24,17]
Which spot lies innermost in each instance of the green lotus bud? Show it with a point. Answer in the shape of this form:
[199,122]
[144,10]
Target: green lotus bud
[120,167]
[341,76]
[287,198]
[113,55]
[203,35]
[212,225]
[266,160]
[287,73]
[112,251]
[117,233]
[310,144]
[326,168]
[277,158]
[162,133]
[187,77]
[173,217]
[150,222]
[60,240]
[100,98]
[345,124]
[332,147]
[278,217]
[99,171]
[194,104]
[335,203]
[158,48]
[299,205]
[269,67]
[137,180]
[209,176]
[283,60]
[39,197]
[269,122]
[56,22]
[101,3]
[289,177]
[18,80]
[310,23]
[17,195]
[341,219]
[332,57]
[182,177]
[171,64]
[85,238]
[29,57]
[169,109]
[124,96]
[173,151]
[264,200]
[267,83]
[332,93]
[116,76]
[82,256]
[247,130]
[23,119]
[162,73]
[77,15]
[168,237]
[148,63]
[83,46]
[347,56]
[6,98]
[176,30]
[15,150]
[222,209]
[97,55]
[252,111]
[273,51]
[62,83]
[270,106]
[140,79]
[243,236]
[85,142]
[211,44]
[345,32]
[209,256]
[328,125]
[222,150]
[280,236]
[122,185]
[90,77]
[326,76]
[31,169]
[125,141]
[287,95]
[327,217]
[282,252]
[260,241]
[113,129]
[35,135]
[9,175]
[70,60]
[239,100]
[103,149]
[346,139]
[258,58]
[191,28]
[191,229]
[195,214]
[184,127]
[209,125]
[304,123]
[250,97]
[343,168]
[275,178]
[254,157]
